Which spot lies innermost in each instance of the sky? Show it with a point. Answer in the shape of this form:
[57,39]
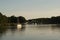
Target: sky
[30,8]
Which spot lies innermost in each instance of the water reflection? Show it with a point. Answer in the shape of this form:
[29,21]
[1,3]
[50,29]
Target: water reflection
[11,28]
[31,31]
[3,30]
[17,31]
[44,28]
[48,27]
[22,28]
[56,27]
[15,27]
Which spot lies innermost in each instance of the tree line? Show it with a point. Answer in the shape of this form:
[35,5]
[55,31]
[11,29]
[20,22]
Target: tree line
[13,19]
[52,20]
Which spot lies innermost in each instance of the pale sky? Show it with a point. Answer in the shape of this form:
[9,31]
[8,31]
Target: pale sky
[30,8]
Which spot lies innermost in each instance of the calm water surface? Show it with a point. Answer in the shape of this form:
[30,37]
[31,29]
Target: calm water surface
[33,32]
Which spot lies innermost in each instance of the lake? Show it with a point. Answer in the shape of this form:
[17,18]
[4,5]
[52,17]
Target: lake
[33,32]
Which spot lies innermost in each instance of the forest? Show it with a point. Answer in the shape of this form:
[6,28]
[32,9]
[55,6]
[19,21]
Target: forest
[52,20]
[13,19]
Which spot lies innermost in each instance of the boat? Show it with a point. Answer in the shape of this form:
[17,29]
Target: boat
[19,26]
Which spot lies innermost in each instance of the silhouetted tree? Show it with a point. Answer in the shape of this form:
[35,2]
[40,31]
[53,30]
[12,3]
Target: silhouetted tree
[12,19]
[3,19]
[21,19]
